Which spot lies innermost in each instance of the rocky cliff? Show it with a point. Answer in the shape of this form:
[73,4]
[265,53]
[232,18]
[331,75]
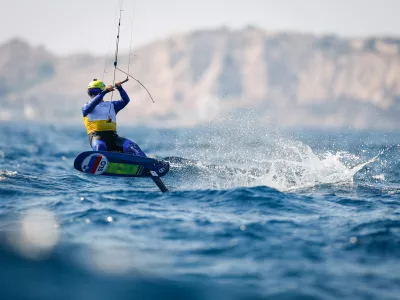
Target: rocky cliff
[288,79]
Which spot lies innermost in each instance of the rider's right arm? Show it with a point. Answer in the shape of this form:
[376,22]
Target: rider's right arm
[88,107]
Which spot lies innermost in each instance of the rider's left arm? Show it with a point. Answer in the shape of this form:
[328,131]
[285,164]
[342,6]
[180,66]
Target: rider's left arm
[120,104]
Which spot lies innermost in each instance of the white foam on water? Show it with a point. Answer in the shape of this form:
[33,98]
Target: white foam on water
[379,177]
[241,154]
[311,170]
[5,174]
[286,165]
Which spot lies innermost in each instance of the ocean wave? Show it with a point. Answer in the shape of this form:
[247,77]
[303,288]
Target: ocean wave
[251,214]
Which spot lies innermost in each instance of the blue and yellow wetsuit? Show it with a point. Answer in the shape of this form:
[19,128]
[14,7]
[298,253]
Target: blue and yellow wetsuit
[100,118]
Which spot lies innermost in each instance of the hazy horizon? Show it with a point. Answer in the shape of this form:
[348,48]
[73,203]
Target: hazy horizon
[65,27]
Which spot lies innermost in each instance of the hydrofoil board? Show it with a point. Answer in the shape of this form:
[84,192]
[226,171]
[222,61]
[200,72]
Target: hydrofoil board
[122,165]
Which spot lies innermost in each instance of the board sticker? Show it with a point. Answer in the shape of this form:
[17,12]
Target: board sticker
[95,164]
[153,173]
[123,169]
[161,170]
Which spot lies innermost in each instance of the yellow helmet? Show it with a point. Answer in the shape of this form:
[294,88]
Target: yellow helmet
[96,84]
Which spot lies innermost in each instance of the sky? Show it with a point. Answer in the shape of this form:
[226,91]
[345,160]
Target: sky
[72,26]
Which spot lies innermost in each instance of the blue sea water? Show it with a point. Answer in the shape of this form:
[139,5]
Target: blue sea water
[253,213]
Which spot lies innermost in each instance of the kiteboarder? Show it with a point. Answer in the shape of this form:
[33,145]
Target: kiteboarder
[100,118]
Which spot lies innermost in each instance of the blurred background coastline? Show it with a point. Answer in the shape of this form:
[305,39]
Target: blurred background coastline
[289,79]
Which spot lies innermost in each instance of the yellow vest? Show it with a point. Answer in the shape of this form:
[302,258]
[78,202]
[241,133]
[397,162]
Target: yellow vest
[97,119]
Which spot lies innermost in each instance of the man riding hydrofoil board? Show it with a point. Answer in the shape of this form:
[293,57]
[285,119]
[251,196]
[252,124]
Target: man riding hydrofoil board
[100,119]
